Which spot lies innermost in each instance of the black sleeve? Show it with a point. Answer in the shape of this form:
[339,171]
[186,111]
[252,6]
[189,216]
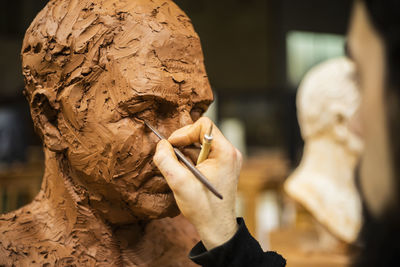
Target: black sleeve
[240,251]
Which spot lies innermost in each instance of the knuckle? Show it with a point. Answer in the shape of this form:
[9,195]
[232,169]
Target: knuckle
[228,154]
[204,121]
[163,143]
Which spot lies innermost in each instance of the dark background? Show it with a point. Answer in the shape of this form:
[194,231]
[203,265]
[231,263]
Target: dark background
[244,44]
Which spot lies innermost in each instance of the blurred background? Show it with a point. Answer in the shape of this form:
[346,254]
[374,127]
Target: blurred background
[256,53]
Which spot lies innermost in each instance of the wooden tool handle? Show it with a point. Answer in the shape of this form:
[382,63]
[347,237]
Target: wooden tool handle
[204,152]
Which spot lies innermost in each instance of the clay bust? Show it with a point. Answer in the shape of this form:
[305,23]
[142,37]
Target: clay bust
[91,69]
[327,104]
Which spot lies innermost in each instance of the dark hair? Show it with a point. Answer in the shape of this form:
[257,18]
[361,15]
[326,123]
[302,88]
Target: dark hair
[381,236]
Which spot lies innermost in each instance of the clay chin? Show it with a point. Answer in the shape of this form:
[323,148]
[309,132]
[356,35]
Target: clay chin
[91,68]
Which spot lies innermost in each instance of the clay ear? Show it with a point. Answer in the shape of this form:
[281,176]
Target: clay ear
[45,118]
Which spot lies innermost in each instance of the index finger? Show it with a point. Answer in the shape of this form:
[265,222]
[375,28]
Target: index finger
[194,133]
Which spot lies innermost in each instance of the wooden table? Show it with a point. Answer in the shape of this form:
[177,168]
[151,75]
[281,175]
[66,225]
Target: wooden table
[266,171]
[308,243]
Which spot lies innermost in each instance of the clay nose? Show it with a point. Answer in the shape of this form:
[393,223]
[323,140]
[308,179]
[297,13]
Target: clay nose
[185,118]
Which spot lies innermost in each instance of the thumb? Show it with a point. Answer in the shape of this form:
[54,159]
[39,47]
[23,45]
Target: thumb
[172,170]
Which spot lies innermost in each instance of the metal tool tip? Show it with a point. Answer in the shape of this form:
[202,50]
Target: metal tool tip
[210,130]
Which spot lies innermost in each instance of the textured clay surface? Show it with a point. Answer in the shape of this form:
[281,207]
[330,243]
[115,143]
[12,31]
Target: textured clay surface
[91,69]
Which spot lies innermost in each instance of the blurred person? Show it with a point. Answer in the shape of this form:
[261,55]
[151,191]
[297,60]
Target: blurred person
[374,45]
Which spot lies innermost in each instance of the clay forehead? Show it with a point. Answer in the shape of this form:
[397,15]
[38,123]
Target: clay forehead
[151,28]
[158,64]
[160,86]
[149,47]
[102,31]
[155,13]
[154,78]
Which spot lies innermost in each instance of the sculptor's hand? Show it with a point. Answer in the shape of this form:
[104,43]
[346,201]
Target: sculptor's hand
[214,219]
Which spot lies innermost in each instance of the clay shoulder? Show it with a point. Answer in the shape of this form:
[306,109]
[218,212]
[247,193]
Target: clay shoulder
[9,220]
[23,241]
[12,248]
[16,218]
[21,226]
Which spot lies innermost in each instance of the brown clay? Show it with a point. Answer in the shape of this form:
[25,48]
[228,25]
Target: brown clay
[91,68]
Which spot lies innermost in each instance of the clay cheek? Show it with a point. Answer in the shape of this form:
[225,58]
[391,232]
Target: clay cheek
[97,147]
[133,149]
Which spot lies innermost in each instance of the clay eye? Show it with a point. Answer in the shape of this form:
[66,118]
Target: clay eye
[138,107]
[165,109]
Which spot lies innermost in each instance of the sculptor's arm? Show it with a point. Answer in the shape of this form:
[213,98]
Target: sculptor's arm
[225,240]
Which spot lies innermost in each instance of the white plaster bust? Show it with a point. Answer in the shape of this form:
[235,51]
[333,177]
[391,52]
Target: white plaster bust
[327,103]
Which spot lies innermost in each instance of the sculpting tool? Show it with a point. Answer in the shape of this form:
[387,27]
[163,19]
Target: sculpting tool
[188,164]
[206,146]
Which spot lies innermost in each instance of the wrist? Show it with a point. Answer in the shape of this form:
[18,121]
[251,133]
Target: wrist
[216,235]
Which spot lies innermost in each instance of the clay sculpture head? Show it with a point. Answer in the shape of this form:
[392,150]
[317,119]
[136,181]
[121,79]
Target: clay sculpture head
[327,103]
[91,68]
